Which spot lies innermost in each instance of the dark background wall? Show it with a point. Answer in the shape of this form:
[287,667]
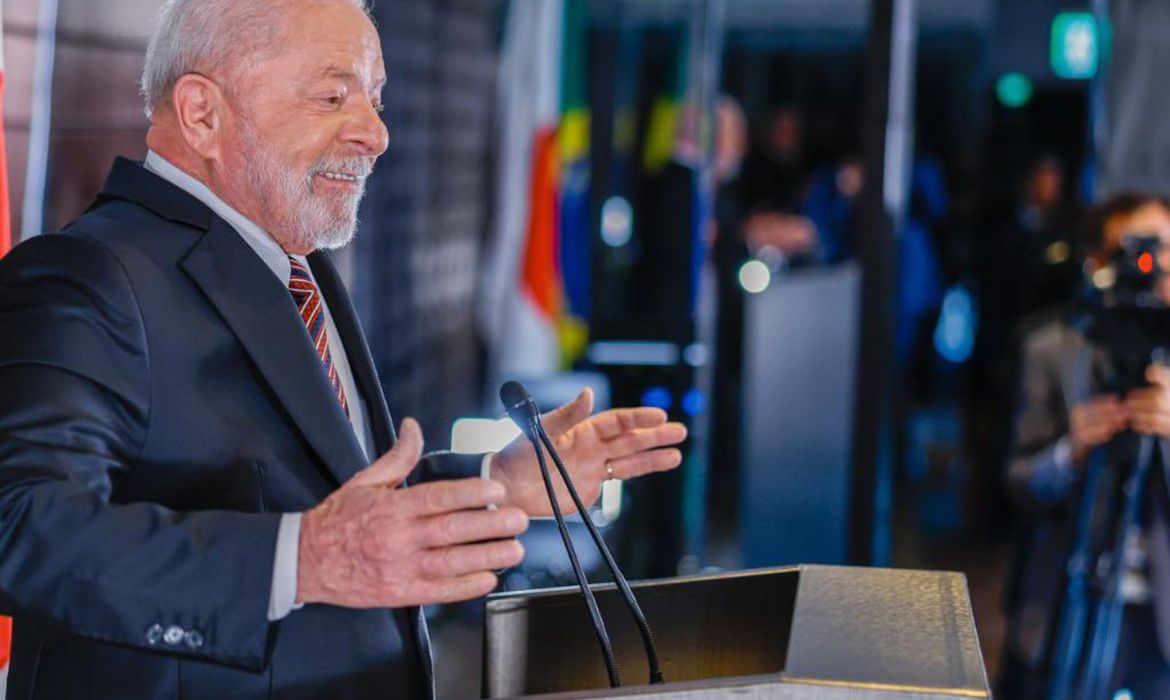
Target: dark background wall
[97,113]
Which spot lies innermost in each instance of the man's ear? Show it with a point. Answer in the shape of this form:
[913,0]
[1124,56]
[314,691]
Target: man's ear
[199,107]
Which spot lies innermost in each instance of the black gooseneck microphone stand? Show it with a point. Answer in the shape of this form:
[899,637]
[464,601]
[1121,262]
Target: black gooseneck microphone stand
[618,577]
[611,668]
[522,409]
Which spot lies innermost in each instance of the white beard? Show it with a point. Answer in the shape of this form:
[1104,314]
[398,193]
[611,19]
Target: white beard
[302,219]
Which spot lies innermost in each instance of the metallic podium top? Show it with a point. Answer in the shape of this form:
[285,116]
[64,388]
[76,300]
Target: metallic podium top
[798,632]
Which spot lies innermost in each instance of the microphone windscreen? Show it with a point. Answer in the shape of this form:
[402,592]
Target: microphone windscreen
[513,394]
[520,407]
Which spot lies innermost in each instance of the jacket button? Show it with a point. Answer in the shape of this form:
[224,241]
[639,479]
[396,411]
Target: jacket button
[154,634]
[173,635]
[193,639]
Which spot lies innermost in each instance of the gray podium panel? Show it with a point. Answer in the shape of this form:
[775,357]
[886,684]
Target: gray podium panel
[800,346]
[795,632]
[885,627]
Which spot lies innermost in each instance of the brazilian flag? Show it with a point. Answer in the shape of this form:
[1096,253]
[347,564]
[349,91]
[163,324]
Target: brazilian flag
[575,213]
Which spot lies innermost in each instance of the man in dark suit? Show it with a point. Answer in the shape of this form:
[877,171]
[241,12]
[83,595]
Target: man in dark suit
[191,498]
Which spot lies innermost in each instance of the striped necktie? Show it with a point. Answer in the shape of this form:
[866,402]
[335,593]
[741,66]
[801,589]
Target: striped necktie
[308,300]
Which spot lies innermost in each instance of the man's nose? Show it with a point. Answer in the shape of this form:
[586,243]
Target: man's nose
[367,130]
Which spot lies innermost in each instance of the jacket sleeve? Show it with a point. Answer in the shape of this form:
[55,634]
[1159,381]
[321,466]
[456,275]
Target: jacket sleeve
[1040,469]
[75,399]
[446,465]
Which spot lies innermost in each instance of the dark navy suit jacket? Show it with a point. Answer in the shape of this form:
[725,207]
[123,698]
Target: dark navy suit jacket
[160,406]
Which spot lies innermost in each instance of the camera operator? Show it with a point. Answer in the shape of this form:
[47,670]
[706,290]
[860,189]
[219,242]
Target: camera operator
[1065,414]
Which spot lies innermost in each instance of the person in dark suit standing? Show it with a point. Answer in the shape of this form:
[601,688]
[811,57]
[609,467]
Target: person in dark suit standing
[201,490]
[1064,416]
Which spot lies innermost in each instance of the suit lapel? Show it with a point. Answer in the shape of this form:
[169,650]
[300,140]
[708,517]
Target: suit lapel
[357,350]
[261,314]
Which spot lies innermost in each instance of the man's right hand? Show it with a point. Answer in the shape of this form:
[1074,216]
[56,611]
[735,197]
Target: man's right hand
[373,545]
[1094,423]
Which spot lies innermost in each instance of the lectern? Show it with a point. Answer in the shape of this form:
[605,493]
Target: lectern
[823,632]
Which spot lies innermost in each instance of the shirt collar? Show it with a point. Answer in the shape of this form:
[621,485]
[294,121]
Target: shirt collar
[257,238]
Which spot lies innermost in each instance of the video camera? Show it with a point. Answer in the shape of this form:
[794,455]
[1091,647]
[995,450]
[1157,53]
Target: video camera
[1124,314]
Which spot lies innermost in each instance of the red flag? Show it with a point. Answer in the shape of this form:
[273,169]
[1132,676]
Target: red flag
[5,652]
[5,639]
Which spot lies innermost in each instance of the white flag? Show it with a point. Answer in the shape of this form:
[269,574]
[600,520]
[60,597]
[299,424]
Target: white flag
[515,312]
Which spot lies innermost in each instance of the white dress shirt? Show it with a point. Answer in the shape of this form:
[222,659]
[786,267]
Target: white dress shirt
[284,575]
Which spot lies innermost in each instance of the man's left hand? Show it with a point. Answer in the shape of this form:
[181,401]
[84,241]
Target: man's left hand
[621,443]
[1149,408]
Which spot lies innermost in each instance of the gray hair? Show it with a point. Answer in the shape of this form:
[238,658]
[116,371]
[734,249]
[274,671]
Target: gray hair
[193,35]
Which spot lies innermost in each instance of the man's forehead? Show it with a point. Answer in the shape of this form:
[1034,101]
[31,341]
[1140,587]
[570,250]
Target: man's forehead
[335,39]
[1150,219]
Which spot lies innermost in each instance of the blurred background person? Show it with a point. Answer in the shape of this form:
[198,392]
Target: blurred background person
[1027,270]
[831,206]
[1030,265]
[775,172]
[1066,412]
[773,187]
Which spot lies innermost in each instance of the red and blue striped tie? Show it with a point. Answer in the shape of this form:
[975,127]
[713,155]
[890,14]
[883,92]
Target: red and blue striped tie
[308,301]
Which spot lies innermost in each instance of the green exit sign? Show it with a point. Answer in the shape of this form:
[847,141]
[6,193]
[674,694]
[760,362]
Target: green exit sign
[1075,52]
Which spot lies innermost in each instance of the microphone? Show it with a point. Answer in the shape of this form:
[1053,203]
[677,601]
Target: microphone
[524,412]
[520,407]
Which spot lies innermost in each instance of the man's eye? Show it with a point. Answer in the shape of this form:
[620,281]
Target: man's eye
[334,100]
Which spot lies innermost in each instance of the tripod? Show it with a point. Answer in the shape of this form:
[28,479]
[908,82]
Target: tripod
[1089,631]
